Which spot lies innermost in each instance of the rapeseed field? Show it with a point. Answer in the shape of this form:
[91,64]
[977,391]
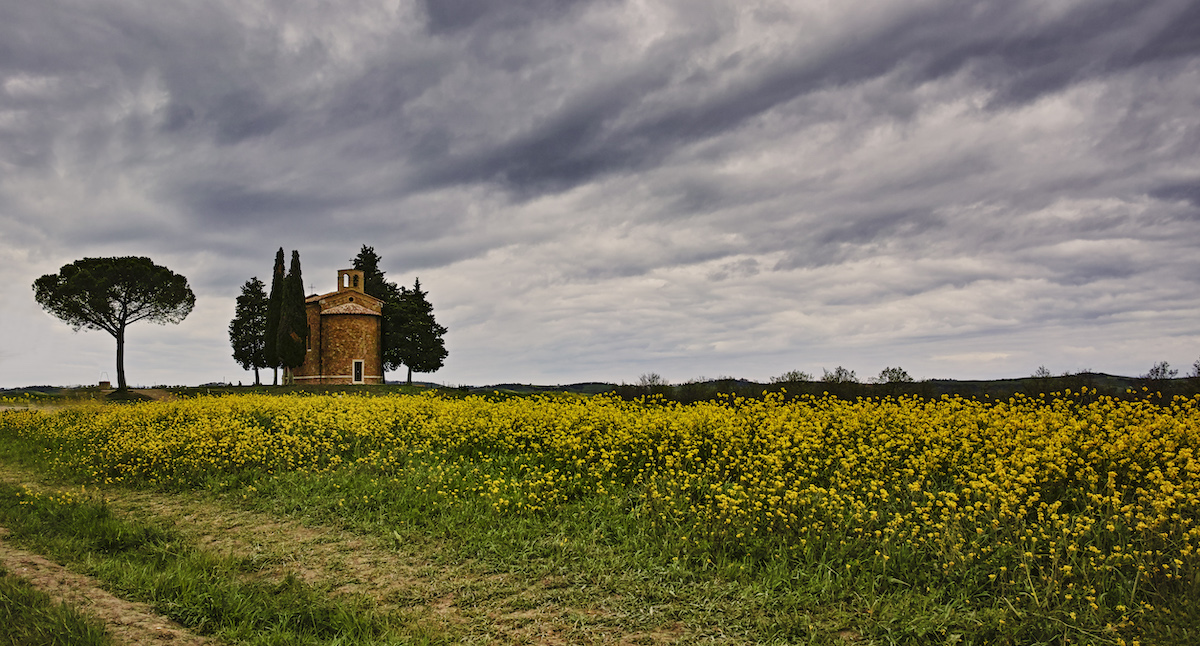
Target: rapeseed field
[1076,507]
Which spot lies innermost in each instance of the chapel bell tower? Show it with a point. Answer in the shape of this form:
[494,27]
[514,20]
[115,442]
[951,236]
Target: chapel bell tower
[351,280]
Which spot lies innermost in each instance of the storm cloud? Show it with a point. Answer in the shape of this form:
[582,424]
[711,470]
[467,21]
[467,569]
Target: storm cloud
[593,189]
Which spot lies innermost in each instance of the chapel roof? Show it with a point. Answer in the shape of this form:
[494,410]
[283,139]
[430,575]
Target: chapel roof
[349,308]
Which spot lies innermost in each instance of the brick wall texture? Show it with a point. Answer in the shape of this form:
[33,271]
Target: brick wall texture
[344,326]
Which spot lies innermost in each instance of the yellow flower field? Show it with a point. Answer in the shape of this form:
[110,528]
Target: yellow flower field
[1071,502]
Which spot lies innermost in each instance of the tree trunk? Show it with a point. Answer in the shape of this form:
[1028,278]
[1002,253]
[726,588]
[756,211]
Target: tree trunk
[275,379]
[409,375]
[121,360]
[256,376]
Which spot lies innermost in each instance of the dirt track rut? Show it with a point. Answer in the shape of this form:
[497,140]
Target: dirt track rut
[448,598]
[128,622]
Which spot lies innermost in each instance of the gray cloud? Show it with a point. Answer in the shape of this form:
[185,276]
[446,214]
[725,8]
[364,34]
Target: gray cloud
[450,16]
[595,134]
[591,190]
[234,204]
[1184,192]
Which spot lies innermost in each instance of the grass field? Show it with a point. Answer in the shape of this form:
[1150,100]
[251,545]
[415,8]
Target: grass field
[571,519]
[28,616]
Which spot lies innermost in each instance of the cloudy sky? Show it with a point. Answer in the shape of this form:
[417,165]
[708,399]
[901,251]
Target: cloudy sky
[598,189]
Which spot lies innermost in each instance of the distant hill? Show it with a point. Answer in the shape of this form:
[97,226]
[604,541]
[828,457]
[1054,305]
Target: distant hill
[1096,383]
[585,388]
[45,390]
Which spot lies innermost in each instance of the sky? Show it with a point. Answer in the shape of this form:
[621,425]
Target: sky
[595,190]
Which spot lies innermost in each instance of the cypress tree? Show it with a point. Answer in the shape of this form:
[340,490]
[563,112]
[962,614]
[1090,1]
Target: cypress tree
[271,332]
[292,340]
[247,329]
[422,347]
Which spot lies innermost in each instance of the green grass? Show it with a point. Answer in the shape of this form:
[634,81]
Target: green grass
[206,592]
[29,617]
[607,557]
[361,389]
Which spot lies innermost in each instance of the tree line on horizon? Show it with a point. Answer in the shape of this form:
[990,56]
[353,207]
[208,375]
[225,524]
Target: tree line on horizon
[271,330]
[841,382]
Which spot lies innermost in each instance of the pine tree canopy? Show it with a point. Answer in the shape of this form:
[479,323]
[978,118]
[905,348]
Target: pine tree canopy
[110,293]
[247,330]
[422,348]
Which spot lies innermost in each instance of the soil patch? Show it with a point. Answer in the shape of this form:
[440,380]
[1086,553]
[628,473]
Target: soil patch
[127,621]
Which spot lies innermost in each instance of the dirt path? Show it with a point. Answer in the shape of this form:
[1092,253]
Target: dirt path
[447,598]
[453,598]
[128,622]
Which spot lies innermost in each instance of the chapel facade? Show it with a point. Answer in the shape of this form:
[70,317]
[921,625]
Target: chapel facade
[345,335]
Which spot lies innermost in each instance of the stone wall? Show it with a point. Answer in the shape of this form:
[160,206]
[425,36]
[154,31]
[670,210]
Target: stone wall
[345,338]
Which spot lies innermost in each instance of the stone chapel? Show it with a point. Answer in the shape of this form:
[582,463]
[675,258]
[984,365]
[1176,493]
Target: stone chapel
[345,334]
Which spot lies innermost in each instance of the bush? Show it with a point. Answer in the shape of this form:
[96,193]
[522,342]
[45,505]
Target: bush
[893,376]
[793,377]
[1161,370]
[839,375]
